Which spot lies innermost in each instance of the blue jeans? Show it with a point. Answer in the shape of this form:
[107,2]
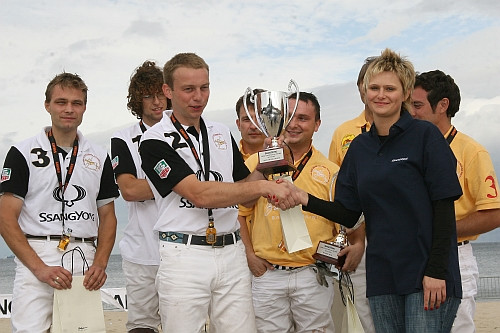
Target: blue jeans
[405,313]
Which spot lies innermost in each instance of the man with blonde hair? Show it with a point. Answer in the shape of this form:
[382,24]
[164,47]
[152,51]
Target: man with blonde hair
[198,177]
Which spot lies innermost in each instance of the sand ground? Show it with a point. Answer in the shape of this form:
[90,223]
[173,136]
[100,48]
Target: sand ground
[487,319]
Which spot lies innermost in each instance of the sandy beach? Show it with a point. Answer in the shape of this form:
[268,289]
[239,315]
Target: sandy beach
[115,322]
[487,319]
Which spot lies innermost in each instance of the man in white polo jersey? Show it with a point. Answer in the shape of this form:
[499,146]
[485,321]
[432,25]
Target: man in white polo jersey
[56,187]
[198,177]
[139,244]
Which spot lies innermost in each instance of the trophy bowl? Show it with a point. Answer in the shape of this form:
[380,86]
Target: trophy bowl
[273,114]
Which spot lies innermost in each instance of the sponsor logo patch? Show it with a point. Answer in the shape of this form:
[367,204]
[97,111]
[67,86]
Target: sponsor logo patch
[219,141]
[91,162]
[162,169]
[320,174]
[6,174]
[114,162]
[346,141]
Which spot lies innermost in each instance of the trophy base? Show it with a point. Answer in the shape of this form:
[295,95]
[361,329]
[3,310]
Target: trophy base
[328,253]
[275,167]
[275,160]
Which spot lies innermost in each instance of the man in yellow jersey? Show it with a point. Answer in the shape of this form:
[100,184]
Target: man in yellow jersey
[436,98]
[341,139]
[287,296]
[347,131]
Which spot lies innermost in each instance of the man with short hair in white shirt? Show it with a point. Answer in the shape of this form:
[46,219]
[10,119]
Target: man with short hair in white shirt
[56,187]
[198,177]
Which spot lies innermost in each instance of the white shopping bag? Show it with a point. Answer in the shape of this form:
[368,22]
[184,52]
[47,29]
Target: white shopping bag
[77,309]
[294,228]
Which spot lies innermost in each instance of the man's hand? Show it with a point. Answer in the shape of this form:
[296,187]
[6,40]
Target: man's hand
[95,277]
[434,292]
[55,276]
[258,266]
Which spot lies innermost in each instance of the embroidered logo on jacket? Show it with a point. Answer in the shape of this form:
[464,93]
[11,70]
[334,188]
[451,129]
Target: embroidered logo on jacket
[162,169]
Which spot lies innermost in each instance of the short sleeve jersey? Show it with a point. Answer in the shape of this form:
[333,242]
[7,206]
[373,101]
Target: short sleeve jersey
[394,184]
[139,243]
[343,136]
[29,173]
[317,177]
[476,175]
[167,159]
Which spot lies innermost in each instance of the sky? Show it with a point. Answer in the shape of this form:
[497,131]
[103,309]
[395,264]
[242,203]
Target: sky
[257,44]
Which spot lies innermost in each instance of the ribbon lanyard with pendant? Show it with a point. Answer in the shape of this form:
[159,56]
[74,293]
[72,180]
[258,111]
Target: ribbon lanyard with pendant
[205,169]
[64,241]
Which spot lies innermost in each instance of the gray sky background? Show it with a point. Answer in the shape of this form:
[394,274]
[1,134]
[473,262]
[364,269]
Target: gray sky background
[261,44]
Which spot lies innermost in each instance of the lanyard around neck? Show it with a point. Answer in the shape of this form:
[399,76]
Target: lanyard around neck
[57,165]
[452,135]
[205,168]
[302,164]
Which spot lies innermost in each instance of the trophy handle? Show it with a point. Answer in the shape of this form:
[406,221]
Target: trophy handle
[249,91]
[290,92]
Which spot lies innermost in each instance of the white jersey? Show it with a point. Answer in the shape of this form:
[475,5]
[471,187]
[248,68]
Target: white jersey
[167,159]
[139,243]
[29,173]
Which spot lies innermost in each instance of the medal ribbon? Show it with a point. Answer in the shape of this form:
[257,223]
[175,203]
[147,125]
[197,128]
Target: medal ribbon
[57,165]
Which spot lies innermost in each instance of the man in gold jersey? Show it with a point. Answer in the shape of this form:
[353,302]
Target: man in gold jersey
[436,98]
[287,296]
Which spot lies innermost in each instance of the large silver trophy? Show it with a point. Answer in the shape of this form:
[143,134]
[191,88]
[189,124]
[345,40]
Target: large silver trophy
[273,115]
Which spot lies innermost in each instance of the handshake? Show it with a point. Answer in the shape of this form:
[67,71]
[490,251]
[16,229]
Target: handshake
[284,195]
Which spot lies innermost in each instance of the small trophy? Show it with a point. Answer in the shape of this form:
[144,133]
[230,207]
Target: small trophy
[328,252]
[273,115]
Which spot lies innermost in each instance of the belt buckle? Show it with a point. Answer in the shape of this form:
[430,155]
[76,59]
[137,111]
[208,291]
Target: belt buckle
[223,242]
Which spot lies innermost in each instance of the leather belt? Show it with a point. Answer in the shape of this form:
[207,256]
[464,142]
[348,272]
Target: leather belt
[285,268]
[220,241]
[463,243]
[58,237]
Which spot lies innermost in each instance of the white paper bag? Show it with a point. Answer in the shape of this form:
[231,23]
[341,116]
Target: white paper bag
[294,228]
[77,309]
[351,322]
